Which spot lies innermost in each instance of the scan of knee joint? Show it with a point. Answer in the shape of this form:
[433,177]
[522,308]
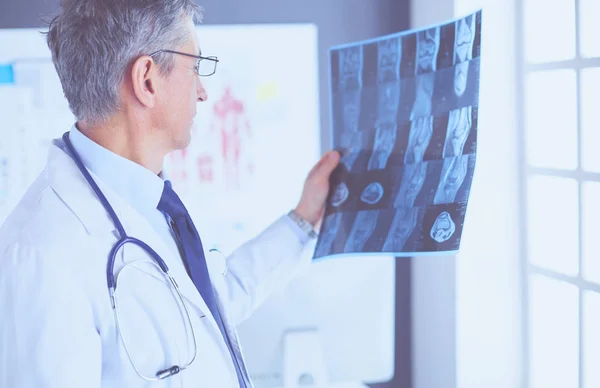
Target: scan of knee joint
[405,109]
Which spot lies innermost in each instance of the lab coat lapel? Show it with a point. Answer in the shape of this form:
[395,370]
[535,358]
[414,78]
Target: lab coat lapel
[70,184]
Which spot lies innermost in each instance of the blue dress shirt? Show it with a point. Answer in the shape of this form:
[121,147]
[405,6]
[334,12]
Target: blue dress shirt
[137,185]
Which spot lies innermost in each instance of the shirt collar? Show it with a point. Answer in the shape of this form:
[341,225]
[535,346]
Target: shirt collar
[137,185]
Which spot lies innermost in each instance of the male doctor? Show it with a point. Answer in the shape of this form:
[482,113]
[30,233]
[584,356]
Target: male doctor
[131,71]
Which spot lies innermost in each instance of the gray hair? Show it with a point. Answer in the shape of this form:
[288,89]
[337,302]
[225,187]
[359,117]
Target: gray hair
[93,42]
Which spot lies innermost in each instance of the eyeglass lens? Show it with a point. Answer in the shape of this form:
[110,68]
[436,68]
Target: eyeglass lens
[206,67]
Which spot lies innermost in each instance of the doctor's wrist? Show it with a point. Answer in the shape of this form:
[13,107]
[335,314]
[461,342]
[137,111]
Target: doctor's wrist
[303,224]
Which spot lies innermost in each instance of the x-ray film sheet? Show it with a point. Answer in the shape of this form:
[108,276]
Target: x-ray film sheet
[404,117]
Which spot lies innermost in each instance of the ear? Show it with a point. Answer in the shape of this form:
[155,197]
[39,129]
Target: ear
[144,79]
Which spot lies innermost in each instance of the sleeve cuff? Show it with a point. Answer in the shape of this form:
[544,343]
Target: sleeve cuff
[302,235]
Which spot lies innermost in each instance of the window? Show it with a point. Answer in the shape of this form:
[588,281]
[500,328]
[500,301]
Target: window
[559,59]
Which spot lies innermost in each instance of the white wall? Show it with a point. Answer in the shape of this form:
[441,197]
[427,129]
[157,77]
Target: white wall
[487,303]
[433,322]
[433,278]
[426,12]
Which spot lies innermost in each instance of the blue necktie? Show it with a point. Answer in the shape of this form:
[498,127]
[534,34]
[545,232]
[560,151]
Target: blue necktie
[193,258]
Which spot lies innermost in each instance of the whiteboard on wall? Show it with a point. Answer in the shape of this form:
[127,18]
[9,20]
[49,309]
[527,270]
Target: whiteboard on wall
[33,111]
[256,137]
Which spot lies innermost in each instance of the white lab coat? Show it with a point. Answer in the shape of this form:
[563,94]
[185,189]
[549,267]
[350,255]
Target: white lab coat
[57,327]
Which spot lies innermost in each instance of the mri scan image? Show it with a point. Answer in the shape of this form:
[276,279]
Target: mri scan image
[362,229]
[403,225]
[461,78]
[350,78]
[340,194]
[412,181]
[372,193]
[463,53]
[385,140]
[459,126]
[389,56]
[418,140]
[464,39]
[351,110]
[351,66]
[428,45]
[329,229]
[405,118]
[351,145]
[388,101]
[443,228]
[388,85]
[385,125]
[424,96]
[453,176]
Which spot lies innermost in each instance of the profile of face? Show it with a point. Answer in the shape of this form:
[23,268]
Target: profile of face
[454,172]
[420,134]
[464,39]
[350,66]
[385,140]
[459,126]
[428,45]
[403,224]
[363,227]
[178,94]
[330,227]
[413,179]
[389,55]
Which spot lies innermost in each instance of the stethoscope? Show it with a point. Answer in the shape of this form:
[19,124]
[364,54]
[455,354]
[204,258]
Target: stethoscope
[112,280]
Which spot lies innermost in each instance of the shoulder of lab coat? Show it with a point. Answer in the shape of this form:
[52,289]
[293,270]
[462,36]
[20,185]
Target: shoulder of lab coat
[48,331]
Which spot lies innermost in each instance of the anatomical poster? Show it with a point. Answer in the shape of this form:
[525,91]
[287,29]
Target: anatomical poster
[404,118]
[256,137]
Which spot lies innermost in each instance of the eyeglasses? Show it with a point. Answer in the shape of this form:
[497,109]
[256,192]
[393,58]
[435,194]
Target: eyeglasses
[205,67]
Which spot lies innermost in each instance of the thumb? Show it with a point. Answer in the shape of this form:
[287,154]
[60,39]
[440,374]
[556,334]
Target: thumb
[328,163]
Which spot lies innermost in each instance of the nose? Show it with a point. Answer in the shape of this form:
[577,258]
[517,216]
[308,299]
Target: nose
[200,91]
